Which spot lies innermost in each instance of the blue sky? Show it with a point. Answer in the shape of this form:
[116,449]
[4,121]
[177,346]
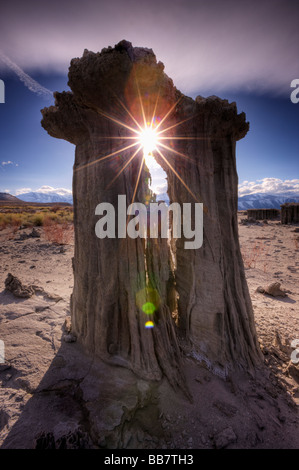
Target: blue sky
[247,55]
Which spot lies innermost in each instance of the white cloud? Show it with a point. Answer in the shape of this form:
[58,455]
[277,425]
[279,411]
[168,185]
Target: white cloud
[29,82]
[49,189]
[22,191]
[8,162]
[204,45]
[161,189]
[45,190]
[270,186]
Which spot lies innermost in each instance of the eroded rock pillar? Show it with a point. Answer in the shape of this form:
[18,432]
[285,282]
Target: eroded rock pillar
[114,277]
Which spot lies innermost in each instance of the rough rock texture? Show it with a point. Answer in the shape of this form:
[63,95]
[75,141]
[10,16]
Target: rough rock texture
[290,213]
[15,286]
[275,290]
[113,278]
[263,214]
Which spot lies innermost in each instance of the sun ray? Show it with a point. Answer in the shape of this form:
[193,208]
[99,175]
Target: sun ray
[141,137]
[138,178]
[177,153]
[136,186]
[124,167]
[117,121]
[168,113]
[126,137]
[174,125]
[141,104]
[155,109]
[126,109]
[177,175]
[106,156]
[182,137]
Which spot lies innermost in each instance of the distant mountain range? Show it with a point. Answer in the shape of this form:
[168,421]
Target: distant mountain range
[36,196]
[264,201]
[251,201]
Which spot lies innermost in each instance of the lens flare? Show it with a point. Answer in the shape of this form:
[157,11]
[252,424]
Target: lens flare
[149,324]
[147,136]
[148,308]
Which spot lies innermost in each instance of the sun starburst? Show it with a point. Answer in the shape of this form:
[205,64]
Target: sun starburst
[149,137]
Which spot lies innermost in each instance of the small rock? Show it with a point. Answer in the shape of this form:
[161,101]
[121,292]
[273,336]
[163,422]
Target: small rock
[274,290]
[293,371]
[40,309]
[15,286]
[260,289]
[23,236]
[70,338]
[225,438]
[281,418]
[35,233]
[225,408]
[67,324]
[243,222]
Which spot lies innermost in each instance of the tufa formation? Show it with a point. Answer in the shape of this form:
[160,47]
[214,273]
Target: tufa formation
[201,304]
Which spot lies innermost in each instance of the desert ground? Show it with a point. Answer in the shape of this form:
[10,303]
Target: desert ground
[53,395]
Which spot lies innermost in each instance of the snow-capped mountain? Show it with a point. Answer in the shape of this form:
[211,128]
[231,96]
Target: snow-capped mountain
[250,201]
[35,196]
[265,201]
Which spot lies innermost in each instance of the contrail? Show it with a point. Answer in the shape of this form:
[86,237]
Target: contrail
[29,82]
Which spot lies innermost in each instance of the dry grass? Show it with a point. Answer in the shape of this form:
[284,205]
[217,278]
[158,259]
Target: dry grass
[56,220]
[255,255]
[58,232]
[15,218]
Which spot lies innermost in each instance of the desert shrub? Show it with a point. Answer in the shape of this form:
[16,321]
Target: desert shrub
[255,254]
[55,208]
[27,216]
[10,220]
[58,232]
[38,219]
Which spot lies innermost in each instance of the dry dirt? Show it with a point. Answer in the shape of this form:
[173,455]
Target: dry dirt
[55,396]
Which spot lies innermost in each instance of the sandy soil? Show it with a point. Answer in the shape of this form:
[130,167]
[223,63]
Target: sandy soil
[53,395]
